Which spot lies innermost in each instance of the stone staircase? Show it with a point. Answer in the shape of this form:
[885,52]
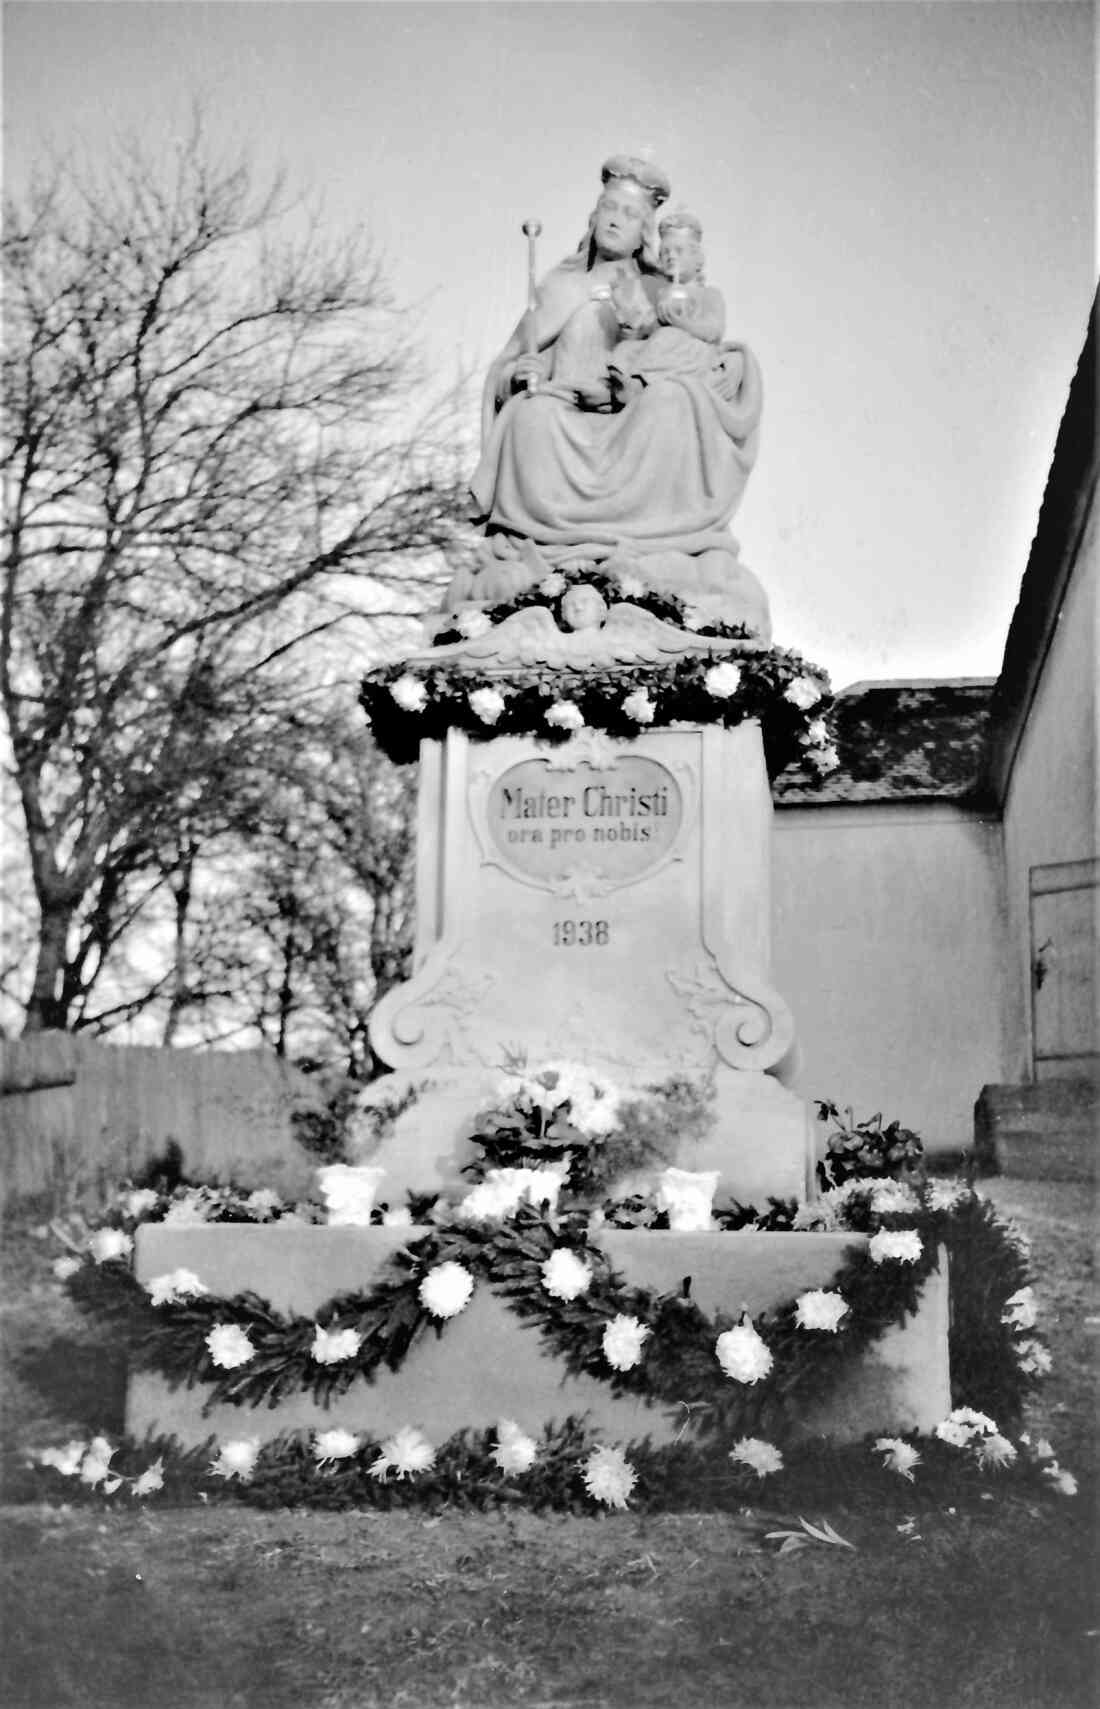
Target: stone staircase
[1045,1130]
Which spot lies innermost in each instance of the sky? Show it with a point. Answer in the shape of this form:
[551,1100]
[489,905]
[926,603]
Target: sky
[898,202]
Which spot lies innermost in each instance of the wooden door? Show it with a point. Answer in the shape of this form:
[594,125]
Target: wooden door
[1065,902]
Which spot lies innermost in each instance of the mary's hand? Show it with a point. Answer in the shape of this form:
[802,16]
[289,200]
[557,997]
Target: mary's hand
[527,372]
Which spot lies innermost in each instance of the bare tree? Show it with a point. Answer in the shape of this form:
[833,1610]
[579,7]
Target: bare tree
[208,440]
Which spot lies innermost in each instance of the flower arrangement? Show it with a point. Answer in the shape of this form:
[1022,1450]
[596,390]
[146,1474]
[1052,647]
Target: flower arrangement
[407,704]
[739,1382]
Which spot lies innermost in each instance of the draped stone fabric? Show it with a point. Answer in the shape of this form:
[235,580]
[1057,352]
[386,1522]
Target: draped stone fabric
[664,474]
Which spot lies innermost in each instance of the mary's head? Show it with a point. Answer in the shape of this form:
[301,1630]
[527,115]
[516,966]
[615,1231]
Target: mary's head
[623,223]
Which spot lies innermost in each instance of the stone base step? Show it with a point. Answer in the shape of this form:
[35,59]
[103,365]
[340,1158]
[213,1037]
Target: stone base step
[1044,1130]
[487,1364]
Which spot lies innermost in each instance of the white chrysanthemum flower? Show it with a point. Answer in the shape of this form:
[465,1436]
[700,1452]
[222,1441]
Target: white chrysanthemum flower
[486,704]
[333,1346]
[623,1340]
[818,1217]
[446,1289]
[139,1202]
[349,1190]
[66,1266]
[742,1354]
[229,1346]
[174,1285]
[515,1450]
[639,707]
[108,1243]
[409,693]
[150,1480]
[263,1202]
[609,1477]
[399,1217]
[760,1457]
[802,692]
[472,623]
[722,681]
[550,586]
[888,1197]
[187,1212]
[898,1456]
[962,1424]
[493,1199]
[903,1245]
[95,1468]
[820,1308]
[1021,1309]
[1033,1358]
[945,1195]
[824,759]
[66,1460]
[564,1275]
[995,1450]
[565,715]
[405,1452]
[1064,1482]
[237,1459]
[332,1445]
[817,734]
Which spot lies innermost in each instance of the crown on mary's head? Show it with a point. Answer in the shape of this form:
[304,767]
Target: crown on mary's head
[679,219]
[645,173]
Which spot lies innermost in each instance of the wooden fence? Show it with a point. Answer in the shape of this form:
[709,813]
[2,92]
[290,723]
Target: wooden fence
[77,1115]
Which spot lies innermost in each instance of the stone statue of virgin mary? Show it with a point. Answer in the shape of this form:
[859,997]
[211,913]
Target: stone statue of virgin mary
[644,485]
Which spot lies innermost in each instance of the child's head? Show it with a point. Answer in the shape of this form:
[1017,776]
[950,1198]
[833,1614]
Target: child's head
[681,252]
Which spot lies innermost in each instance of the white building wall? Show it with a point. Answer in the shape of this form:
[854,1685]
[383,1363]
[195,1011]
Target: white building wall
[888,943]
[1050,811]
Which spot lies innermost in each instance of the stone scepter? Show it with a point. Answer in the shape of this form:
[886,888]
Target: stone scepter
[531,230]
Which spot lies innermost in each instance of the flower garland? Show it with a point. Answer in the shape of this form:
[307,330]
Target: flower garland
[738,1382]
[408,704]
[734,1378]
[566,1468]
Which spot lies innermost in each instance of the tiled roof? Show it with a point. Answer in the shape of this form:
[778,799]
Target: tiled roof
[901,741]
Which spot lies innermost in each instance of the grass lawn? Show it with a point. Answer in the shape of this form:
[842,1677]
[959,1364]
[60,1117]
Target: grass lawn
[985,1608]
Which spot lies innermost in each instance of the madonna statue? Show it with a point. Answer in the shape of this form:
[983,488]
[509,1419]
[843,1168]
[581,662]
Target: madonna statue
[641,478]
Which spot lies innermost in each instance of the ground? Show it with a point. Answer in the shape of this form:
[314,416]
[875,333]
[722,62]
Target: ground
[227,1606]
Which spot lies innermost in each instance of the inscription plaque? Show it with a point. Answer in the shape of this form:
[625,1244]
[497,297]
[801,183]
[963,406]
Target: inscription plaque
[615,821]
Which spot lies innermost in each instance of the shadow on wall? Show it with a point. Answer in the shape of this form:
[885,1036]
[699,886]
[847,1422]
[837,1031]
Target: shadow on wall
[77,1116]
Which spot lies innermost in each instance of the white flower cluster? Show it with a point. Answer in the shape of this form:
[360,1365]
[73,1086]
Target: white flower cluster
[820,1308]
[623,1340]
[237,1459]
[760,1457]
[609,1477]
[565,715]
[174,1286]
[564,1275]
[109,1243]
[332,1445]
[900,1245]
[1021,1309]
[406,1452]
[593,1100]
[333,1346]
[743,1354]
[229,1346]
[446,1289]
[486,704]
[819,747]
[515,1451]
[898,1455]
[965,1428]
[502,1191]
[91,1463]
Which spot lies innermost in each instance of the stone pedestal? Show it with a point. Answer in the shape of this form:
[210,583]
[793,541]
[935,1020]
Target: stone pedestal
[600,901]
[487,1364]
